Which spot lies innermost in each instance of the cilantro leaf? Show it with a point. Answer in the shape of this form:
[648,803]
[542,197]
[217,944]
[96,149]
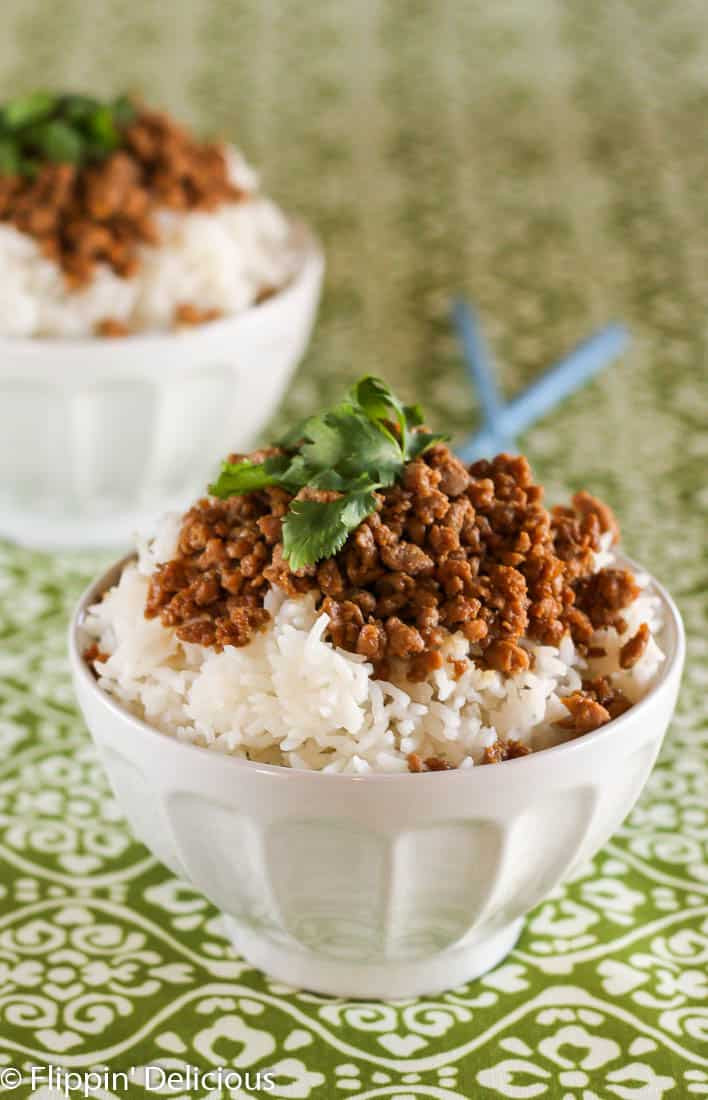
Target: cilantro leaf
[330,479]
[313,529]
[241,477]
[123,110]
[61,129]
[420,442]
[295,435]
[101,126]
[380,403]
[354,448]
[77,108]
[28,109]
[292,472]
[9,157]
[346,440]
[414,415]
[288,473]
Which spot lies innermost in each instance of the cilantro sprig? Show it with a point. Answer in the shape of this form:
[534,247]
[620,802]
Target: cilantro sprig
[64,129]
[354,448]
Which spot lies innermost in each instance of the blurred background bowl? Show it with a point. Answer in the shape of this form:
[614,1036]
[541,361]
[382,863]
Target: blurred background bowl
[99,436]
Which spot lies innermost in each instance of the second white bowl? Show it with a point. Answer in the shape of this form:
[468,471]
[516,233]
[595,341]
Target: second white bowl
[98,436]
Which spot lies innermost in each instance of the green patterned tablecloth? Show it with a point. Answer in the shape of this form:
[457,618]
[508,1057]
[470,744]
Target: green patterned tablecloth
[550,160]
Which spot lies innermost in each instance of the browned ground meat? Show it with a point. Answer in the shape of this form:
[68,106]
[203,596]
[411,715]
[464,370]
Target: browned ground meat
[103,212]
[111,328]
[188,314]
[430,764]
[586,713]
[587,505]
[603,594]
[612,699]
[505,750]
[449,549]
[93,653]
[632,650]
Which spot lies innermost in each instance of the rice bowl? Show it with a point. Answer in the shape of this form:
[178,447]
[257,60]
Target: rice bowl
[140,422]
[380,885]
[333,693]
[137,348]
[435,656]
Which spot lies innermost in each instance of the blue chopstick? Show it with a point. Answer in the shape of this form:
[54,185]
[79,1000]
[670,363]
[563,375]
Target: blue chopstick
[566,376]
[477,359]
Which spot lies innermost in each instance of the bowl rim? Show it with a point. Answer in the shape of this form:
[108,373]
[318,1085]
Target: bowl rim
[80,670]
[310,262]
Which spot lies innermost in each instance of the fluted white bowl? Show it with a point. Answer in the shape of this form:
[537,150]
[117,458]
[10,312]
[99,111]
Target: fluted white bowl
[97,436]
[379,885]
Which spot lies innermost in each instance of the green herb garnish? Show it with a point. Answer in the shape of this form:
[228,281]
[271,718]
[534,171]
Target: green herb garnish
[314,530]
[354,448]
[62,129]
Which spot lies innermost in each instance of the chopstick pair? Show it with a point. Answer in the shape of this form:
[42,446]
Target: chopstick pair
[502,421]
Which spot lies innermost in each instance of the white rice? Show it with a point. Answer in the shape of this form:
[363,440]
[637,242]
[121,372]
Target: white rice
[220,259]
[292,698]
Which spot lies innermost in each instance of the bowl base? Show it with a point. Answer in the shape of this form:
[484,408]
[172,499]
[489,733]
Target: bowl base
[393,980]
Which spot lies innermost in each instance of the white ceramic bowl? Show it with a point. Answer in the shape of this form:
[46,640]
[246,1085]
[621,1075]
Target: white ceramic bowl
[98,436]
[376,886]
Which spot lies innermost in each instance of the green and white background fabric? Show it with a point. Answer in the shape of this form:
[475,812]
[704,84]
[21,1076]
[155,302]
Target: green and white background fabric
[548,158]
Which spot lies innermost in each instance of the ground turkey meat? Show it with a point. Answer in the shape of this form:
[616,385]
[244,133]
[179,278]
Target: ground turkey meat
[451,548]
[633,649]
[430,764]
[505,750]
[101,212]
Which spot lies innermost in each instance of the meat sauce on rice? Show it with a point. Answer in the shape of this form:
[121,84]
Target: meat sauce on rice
[114,219]
[461,620]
